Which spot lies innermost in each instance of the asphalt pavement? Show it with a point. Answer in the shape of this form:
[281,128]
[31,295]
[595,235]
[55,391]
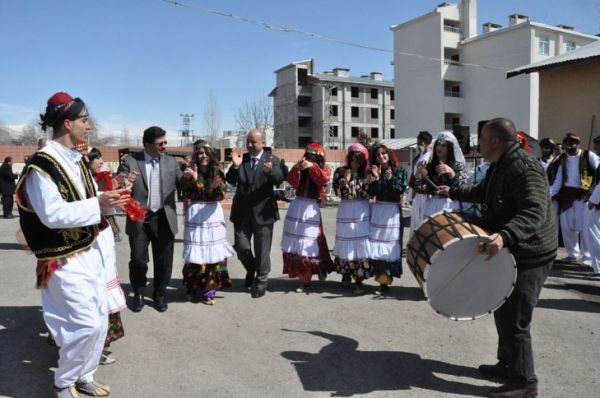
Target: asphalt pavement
[327,343]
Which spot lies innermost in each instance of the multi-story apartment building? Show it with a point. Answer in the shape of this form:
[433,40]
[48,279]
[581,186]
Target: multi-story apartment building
[446,73]
[331,107]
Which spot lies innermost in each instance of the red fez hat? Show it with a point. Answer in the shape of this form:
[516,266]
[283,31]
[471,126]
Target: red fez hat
[316,149]
[572,136]
[59,98]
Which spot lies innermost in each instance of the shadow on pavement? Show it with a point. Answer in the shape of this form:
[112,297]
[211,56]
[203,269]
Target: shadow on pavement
[25,356]
[569,305]
[10,246]
[342,369]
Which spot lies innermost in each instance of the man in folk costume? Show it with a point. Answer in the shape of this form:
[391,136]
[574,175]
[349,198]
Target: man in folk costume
[418,200]
[61,218]
[571,178]
[304,246]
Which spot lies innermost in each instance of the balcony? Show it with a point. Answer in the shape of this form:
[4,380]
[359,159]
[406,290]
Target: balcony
[453,103]
[452,70]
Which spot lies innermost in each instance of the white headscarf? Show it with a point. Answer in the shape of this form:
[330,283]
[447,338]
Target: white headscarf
[448,136]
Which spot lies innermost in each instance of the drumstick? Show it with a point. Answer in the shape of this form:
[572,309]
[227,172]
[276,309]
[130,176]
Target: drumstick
[430,183]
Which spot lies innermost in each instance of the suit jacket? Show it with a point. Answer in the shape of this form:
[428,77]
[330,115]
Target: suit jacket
[7,179]
[254,196]
[170,175]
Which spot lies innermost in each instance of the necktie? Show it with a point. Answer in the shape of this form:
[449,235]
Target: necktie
[154,186]
[254,163]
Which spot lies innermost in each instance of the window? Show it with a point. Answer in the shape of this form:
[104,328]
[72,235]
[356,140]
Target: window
[374,132]
[392,114]
[392,133]
[333,147]
[303,142]
[354,111]
[302,77]
[392,95]
[304,100]
[333,131]
[544,45]
[374,93]
[304,121]
[354,132]
[333,110]
[374,113]
[333,92]
[354,92]
[570,46]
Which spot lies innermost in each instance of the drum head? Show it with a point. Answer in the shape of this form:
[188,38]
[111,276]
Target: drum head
[462,285]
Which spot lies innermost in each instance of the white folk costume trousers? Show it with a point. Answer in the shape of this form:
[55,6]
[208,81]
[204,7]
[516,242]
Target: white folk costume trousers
[416,214]
[75,311]
[591,228]
[571,226]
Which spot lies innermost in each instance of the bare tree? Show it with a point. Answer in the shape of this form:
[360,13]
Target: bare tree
[30,135]
[6,136]
[94,137]
[255,113]
[212,118]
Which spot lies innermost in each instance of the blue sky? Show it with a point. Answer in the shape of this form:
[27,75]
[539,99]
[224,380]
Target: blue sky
[142,62]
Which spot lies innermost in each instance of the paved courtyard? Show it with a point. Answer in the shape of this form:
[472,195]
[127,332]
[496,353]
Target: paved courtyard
[329,343]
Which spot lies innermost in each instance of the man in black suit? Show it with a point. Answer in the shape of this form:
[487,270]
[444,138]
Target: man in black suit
[254,209]
[155,190]
[7,186]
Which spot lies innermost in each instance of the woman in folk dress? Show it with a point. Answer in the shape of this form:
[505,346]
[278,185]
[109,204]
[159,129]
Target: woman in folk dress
[387,183]
[351,248]
[447,167]
[205,246]
[304,246]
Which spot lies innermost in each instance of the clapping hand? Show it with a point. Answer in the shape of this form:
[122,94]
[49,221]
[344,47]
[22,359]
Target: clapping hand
[236,158]
[388,173]
[216,180]
[191,172]
[268,165]
[117,198]
[443,168]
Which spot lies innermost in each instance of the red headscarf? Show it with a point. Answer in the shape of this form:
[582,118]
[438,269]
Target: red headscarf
[522,140]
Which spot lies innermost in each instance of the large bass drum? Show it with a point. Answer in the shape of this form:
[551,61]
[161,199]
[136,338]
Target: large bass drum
[458,281]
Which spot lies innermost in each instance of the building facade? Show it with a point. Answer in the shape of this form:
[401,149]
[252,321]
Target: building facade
[445,73]
[331,107]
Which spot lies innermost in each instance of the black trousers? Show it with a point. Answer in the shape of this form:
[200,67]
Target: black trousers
[157,232]
[513,324]
[7,205]
[259,262]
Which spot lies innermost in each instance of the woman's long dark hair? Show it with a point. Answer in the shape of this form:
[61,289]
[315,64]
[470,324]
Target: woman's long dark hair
[361,160]
[213,161]
[435,160]
[392,159]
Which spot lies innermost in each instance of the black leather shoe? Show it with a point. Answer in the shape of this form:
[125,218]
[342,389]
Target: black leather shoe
[499,370]
[249,280]
[508,391]
[160,304]
[258,292]
[137,303]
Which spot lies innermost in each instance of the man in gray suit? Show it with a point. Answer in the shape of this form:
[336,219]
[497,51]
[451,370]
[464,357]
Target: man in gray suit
[155,190]
[254,209]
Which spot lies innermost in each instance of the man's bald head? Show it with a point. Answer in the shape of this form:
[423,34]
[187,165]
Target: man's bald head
[255,142]
[502,128]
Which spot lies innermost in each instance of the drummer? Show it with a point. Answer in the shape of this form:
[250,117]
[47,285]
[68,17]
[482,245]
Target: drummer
[517,211]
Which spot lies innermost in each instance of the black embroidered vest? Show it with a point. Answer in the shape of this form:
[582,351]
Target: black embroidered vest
[49,243]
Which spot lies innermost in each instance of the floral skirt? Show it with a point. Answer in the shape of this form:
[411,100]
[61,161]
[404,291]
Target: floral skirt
[115,328]
[357,269]
[385,271]
[200,278]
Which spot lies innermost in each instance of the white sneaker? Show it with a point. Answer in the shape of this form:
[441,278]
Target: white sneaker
[587,262]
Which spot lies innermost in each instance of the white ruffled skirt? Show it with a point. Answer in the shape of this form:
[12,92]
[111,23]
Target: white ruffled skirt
[434,204]
[352,230]
[301,228]
[384,235]
[205,236]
